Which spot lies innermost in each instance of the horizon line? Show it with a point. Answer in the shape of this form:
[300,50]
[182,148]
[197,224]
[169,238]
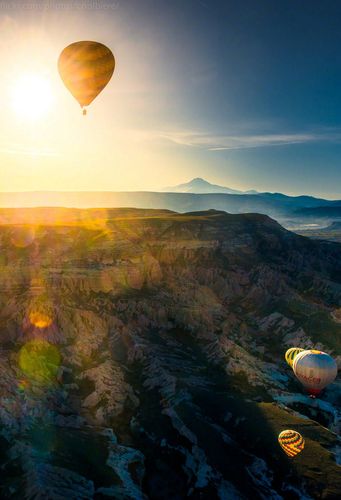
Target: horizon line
[245,193]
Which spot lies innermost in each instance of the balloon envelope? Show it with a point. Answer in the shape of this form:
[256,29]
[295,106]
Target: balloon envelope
[315,370]
[85,68]
[291,354]
[291,442]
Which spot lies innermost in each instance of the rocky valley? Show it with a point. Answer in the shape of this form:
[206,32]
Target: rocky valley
[142,356]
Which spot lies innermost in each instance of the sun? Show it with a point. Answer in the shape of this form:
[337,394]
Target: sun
[32,96]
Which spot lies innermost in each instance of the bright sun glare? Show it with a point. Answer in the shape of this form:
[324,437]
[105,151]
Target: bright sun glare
[32,96]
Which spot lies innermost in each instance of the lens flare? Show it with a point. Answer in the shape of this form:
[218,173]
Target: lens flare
[23,385]
[39,319]
[39,360]
[40,310]
[22,236]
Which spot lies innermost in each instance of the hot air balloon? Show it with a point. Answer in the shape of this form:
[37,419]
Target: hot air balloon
[315,370]
[291,354]
[291,442]
[86,68]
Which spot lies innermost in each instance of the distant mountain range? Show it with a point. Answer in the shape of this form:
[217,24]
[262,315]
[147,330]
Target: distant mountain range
[286,209]
[200,186]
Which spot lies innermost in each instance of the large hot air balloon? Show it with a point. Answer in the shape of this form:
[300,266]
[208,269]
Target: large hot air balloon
[86,68]
[291,441]
[291,354]
[315,370]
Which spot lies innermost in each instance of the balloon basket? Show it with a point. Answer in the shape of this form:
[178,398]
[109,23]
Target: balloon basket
[84,112]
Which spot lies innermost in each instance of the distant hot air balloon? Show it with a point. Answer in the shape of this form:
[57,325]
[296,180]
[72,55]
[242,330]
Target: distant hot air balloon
[315,370]
[86,68]
[291,354]
[291,441]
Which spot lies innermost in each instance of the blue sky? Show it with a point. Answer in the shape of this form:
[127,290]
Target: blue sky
[266,73]
[244,93]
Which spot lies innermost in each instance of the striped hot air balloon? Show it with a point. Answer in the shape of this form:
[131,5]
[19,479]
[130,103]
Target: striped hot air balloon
[315,370]
[85,68]
[291,442]
[291,354]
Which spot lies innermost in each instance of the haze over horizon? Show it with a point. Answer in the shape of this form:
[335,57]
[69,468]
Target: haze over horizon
[164,189]
[245,94]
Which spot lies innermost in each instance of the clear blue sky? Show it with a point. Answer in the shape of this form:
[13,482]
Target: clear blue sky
[245,93]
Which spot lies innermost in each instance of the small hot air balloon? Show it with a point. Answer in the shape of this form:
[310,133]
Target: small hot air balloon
[315,370]
[85,68]
[291,354]
[291,442]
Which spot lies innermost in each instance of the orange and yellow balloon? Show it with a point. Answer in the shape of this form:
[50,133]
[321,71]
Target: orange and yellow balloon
[291,442]
[86,68]
[291,354]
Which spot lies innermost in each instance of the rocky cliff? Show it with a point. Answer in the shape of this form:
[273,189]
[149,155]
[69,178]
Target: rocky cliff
[142,356]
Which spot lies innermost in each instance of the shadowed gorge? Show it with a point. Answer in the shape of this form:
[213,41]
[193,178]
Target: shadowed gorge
[142,356]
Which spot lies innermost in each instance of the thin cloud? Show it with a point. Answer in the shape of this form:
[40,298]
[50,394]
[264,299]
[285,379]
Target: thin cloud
[258,141]
[228,142]
[211,142]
